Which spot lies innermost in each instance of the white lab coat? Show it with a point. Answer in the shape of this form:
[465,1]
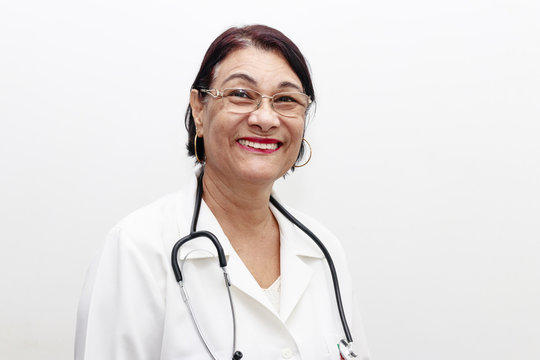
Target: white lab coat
[131,307]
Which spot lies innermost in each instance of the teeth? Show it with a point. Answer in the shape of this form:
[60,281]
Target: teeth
[257,145]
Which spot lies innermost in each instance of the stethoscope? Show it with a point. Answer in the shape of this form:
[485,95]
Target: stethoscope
[345,345]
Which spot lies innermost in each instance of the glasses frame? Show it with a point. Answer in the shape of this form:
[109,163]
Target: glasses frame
[220,95]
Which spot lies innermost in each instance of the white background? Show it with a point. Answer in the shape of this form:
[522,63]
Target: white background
[426,156]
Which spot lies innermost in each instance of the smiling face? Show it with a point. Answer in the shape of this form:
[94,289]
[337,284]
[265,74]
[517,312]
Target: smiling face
[257,147]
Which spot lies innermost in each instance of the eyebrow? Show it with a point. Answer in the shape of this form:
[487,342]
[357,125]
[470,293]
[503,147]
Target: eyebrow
[242,76]
[252,81]
[284,84]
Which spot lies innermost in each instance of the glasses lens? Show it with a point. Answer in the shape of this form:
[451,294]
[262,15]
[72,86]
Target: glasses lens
[241,100]
[291,103]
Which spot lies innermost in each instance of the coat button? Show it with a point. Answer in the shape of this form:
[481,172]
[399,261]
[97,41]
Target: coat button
[286,353]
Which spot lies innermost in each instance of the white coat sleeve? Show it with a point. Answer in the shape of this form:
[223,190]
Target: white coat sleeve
[121,311]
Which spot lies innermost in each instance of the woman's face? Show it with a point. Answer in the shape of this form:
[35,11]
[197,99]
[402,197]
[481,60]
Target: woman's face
[232,141]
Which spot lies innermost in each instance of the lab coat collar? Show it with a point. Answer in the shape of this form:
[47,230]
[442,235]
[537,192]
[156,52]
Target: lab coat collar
[207,221]
[296,274]
[202,248]
[294,249]
[294,239]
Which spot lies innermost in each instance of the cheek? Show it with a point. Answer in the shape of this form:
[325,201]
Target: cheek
[210,116]
[209,120]
[298,134]
[220,129]
[296,140]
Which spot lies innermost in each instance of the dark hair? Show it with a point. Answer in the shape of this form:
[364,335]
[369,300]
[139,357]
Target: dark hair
[258,36]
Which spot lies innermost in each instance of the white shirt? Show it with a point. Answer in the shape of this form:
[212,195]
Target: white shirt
[131,307]
[273,293]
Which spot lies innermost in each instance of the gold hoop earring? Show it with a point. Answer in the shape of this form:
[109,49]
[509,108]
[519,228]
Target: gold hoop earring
[195,147]
[310,153]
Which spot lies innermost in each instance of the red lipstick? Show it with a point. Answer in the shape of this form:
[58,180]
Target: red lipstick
[259,145]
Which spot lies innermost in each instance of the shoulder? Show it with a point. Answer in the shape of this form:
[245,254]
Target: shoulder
[328,239]
[137,246]
[164,218]
[150,229]
[151,218]
[313,224]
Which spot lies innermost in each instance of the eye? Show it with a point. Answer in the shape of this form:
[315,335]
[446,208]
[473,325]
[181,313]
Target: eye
[240,93]
[282,98]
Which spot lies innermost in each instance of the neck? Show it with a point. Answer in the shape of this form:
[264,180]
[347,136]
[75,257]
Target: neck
[239,202]
[243,212]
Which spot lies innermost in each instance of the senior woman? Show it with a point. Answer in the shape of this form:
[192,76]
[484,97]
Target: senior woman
[245,122]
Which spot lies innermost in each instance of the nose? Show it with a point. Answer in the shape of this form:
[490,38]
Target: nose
[264,117]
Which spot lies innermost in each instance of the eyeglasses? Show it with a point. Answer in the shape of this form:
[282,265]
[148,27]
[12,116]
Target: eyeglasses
[243,101]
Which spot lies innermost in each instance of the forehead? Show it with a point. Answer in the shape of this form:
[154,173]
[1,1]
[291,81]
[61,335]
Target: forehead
[266,69]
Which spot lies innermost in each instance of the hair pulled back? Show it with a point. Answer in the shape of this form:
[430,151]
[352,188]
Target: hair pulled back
[257,36]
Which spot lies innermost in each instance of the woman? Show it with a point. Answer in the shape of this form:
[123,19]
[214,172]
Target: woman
[246,121]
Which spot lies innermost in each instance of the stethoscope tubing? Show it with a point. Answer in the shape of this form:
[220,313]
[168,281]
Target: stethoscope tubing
[195,235]
[223,263]
[329,261]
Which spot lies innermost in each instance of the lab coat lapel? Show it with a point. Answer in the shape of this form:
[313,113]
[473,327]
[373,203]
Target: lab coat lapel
[296,248]
[239,274]
[243,280]
[295,278]
[296,274]
[197,248]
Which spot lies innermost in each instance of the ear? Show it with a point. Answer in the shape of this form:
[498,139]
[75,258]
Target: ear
[197,110]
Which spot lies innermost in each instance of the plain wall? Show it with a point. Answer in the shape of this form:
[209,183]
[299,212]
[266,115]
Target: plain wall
[426,156]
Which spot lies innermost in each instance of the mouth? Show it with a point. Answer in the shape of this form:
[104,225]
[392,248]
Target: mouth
[262,145]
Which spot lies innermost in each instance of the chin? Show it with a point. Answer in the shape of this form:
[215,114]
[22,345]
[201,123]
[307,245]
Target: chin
[261,173]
